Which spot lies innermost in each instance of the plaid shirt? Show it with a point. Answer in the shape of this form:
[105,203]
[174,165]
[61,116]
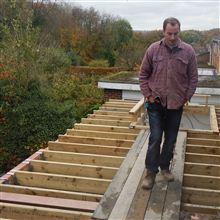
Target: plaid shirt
[170,74]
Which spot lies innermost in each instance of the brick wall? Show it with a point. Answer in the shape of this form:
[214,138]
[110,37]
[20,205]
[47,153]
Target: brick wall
[112,94]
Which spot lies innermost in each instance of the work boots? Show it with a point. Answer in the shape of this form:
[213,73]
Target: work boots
[167,175]
[149,179]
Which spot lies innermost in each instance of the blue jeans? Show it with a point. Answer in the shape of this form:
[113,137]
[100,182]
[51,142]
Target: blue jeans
[161,120]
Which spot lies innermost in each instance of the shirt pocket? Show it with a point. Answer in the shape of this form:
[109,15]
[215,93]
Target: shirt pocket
[158,63]
[182,65]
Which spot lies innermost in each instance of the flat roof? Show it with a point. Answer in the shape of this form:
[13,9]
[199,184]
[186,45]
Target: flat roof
[207,78]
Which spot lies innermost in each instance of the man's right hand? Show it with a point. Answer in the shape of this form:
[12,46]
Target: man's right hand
[150,99]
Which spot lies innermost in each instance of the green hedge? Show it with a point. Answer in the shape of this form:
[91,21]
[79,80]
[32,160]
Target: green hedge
[30,120]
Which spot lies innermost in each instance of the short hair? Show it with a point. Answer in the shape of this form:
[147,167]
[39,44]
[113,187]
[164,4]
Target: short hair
[171,20]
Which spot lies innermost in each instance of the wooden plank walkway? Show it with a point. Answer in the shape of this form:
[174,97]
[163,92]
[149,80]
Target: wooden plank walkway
[117,186]
[162,202]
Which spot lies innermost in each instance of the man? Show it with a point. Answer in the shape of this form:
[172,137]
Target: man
[168,78]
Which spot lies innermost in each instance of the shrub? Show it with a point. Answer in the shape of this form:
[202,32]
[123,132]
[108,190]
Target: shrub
[55,60]
[31,119]
[83,93]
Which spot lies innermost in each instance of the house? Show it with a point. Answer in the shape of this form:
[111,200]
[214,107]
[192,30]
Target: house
[125,85]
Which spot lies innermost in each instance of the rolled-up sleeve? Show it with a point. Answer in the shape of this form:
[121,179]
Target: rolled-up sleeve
[192,76]
[145,73]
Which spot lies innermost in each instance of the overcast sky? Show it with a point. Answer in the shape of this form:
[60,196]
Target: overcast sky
[149,15]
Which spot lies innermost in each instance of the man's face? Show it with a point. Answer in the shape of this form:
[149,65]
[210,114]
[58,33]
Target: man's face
[171,34]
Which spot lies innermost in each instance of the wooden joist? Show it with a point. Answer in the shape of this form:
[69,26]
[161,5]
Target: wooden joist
[123,101]
[201,181]
[109,117]
[106,128]
[62,182]
[117,109]
[202,169]
[137,107]
[196,109]
[137,110]
[87,148]
[90,159]
[102,134]
[198,131]
[28,190]
[203,141]
[194,208]
[200,196]
[201,149]
[72,169]
[105,122]
[105,112]
[50,202]
[9,176]
[21,212]
[96,140]
[203,158]
[121,104]
[202,134]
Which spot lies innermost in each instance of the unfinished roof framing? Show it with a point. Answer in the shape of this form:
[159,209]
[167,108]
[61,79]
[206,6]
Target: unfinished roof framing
[95,171]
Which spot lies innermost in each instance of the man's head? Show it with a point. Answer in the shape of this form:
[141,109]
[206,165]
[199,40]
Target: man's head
[171,29]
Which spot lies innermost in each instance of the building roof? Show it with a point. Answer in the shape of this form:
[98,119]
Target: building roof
[207,78]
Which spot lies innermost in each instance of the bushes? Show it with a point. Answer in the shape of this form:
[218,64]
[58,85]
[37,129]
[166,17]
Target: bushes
[81,92]
[30,119]
[55,60]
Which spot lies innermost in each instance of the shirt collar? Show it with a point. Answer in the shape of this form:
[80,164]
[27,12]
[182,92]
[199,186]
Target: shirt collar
[179,43]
